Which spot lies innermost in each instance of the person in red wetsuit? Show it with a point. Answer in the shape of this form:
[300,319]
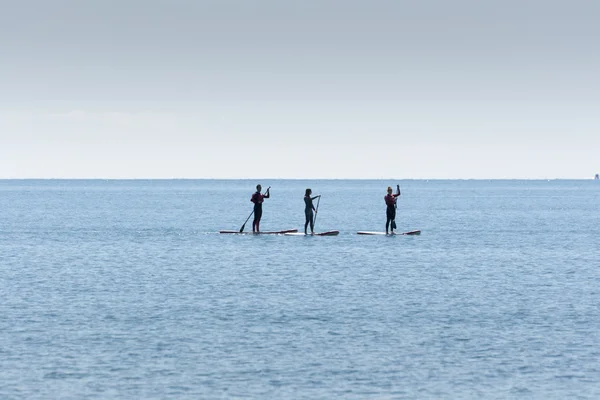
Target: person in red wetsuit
[390,202]
[258,198]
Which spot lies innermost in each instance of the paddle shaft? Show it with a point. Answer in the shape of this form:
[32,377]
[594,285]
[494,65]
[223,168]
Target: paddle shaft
[316,212]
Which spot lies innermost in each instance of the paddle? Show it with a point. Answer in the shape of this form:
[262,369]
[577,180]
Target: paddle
[243,226]
[395,207]
[316,212]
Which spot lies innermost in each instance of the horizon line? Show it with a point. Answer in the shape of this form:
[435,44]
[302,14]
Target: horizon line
[294,179]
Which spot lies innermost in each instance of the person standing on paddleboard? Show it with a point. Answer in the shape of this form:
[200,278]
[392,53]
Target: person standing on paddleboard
[308,211]
[390,202]
[258,198]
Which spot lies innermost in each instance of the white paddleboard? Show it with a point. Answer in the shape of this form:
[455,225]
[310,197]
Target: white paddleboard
[328,233]
[389,234]
[261,233]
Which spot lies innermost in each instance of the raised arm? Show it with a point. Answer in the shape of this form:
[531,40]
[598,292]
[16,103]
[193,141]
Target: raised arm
[267,193]
[397,191]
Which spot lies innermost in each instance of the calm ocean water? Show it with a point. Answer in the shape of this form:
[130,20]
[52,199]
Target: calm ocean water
[124,289]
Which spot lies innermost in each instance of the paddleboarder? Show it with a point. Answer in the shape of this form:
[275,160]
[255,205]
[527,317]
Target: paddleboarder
[308,211]
[258,198]
[390,201]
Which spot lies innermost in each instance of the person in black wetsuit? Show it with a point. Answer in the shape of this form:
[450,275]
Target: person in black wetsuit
[308,211]
[258,198]
[390,201]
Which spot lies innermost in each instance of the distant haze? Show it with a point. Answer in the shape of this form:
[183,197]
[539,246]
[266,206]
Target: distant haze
[299,89]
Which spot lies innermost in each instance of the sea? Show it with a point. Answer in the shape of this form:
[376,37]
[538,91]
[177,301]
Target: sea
[124,289]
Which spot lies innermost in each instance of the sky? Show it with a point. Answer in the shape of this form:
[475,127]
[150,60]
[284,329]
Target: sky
[371,89]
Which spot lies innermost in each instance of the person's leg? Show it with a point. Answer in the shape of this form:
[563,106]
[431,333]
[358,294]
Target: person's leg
[306,222]
[256,223]
[387,220]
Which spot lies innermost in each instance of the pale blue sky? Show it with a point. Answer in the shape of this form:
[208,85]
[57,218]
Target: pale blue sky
[299,89]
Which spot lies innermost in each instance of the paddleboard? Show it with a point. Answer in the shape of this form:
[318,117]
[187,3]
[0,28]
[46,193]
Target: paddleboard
[261,233]
[390,234]
[328,233]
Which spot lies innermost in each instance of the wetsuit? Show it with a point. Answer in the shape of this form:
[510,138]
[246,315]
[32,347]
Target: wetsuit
[257,199]
[390,201]
[308,213]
